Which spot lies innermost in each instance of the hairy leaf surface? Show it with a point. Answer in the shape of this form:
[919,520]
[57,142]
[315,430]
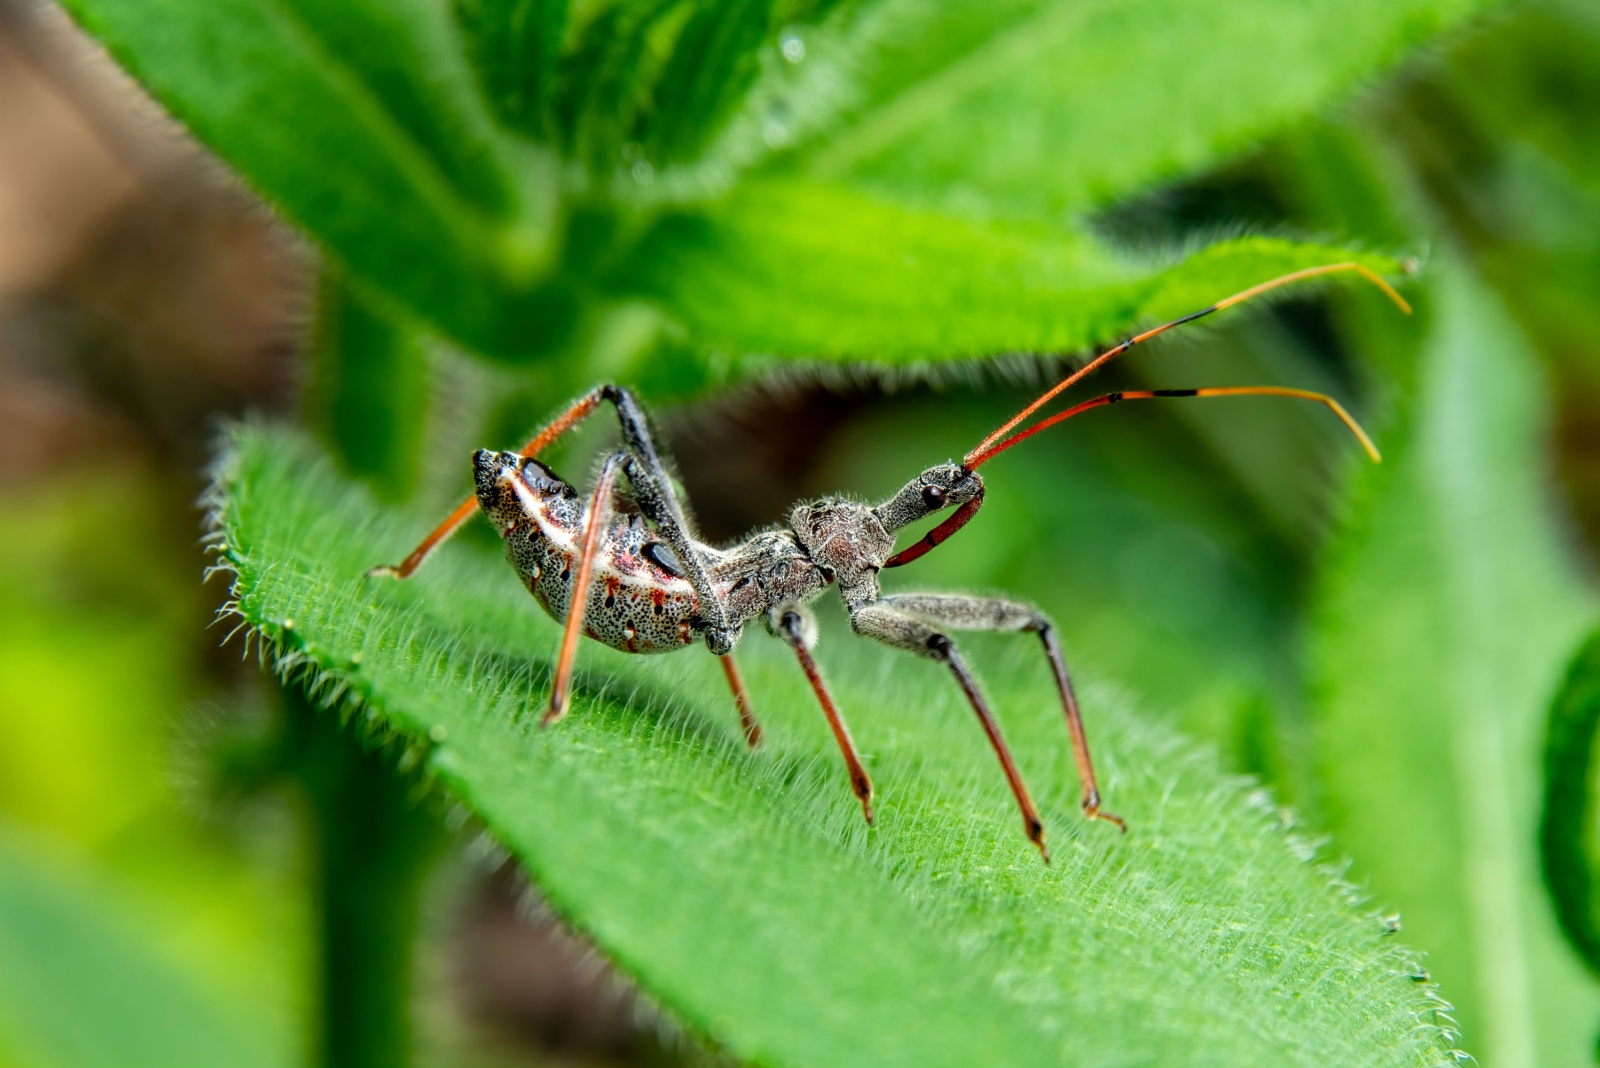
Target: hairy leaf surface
[744,891]
[820,271]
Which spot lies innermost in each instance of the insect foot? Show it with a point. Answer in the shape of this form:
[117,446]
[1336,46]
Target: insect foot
[1091,810]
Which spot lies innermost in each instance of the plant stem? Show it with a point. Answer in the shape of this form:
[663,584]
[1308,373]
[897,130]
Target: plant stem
[373,846]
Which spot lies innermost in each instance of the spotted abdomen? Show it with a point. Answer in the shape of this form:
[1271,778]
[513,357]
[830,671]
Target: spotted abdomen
[635,604]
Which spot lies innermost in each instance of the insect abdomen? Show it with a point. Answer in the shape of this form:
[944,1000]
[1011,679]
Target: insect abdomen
[636,617]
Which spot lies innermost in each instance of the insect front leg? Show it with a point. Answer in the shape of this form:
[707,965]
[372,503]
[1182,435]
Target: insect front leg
[993,613]
[898,628]
[794,625]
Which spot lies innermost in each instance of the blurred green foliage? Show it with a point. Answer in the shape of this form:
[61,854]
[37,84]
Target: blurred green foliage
[85,980]
[125,909]
[1568,841]
[1427,751]
[685,195]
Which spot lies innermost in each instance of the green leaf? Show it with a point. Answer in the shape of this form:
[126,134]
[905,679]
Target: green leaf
[801,270]
[712,66]
[744,892]
[1441,625]
[642,79]
[1567,837]
[417,142]
[1534,84]
[1043,108]
[361,121]
[84,983]
[515,47]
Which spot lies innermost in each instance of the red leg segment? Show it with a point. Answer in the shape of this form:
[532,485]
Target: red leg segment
[860,782]
[1090,801]
[741,698]
[1032,824]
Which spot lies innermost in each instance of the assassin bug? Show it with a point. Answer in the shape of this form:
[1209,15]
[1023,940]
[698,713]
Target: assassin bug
[624,568]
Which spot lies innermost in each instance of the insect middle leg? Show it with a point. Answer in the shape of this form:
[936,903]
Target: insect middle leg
[795,626]
[997,614]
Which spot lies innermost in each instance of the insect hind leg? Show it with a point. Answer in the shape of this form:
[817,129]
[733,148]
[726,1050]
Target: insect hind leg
[652,490]
[741,699]
[562,423]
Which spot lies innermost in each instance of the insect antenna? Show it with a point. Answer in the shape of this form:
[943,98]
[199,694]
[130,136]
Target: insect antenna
[996,442]
[1157,394]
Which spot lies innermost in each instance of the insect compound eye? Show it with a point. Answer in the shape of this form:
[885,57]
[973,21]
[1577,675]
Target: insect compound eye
[933,497]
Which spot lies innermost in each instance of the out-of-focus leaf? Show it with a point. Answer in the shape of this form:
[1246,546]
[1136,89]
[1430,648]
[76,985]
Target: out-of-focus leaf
[712,66]
[91,755]
[515,47]
[818,271]
[367,123]
[745,892]
[1039,107]
[1535,83]
[1568,837]
[84,984]
[1442,619]
[631,89]
[361,120]
[606,80]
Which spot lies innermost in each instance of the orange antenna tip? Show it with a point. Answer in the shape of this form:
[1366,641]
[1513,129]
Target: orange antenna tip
[986,453]
[1300,394]
[1315,272]
[1388,290]
[1355,428]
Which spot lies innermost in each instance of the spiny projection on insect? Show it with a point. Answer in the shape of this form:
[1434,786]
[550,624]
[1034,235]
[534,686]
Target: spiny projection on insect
[624,567]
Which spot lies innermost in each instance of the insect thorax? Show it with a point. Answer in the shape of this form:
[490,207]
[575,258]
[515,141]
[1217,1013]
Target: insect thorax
[765,571]
[843,537]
